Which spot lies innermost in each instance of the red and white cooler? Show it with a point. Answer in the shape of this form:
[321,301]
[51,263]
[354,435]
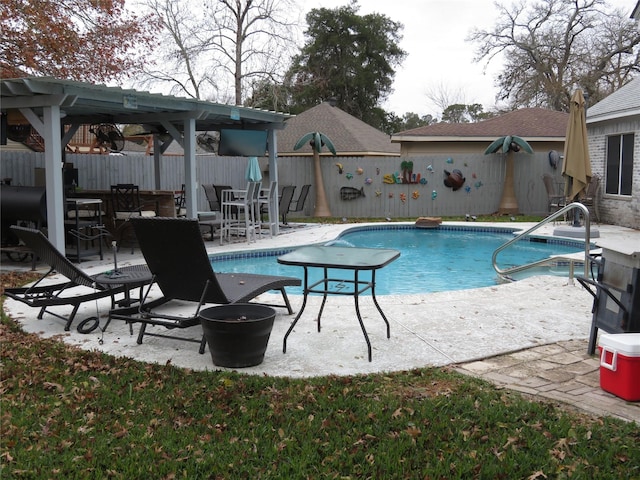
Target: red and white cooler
[620,364]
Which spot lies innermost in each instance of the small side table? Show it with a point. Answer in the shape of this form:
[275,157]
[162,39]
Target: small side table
[130,277]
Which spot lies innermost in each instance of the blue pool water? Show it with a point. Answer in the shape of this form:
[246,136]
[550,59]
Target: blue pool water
[431,260]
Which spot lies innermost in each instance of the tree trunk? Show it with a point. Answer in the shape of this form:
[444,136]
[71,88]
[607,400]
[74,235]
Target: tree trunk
[321,207]
[508,202]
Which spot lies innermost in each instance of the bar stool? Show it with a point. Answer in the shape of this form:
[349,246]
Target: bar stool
[267,202]
[245,202]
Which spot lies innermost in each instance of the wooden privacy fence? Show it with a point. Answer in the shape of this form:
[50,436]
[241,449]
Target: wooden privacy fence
[359,187]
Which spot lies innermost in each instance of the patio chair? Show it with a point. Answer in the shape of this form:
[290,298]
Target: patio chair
[285,202]
[77,289]
[299,203]
[182,269]
[218,189]
[210,221]
[266,204]
[181,201]
[591,197]
[212,198]
[245,205]
[126,204]
[555,201]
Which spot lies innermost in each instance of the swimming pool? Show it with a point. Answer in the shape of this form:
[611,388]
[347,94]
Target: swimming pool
[431,260]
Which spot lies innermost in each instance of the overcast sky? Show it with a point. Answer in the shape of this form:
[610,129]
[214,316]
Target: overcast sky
[434,38]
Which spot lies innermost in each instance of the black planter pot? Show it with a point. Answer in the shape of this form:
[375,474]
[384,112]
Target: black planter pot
[237,334]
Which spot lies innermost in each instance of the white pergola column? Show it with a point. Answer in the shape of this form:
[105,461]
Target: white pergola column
[190,179]
[272,138]
[49,128]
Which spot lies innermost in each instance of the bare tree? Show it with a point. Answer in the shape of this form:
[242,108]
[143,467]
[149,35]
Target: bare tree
[551,47]
[252,39]
[180,61]
[215,49]
[442,95]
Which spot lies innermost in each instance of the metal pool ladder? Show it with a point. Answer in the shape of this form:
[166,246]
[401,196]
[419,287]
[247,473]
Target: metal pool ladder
[505,273]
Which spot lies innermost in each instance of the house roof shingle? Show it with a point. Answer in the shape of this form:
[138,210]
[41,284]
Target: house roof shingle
[528,123]
[623,102]
[349,135]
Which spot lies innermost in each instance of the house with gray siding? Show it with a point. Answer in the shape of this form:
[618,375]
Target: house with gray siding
[613,128]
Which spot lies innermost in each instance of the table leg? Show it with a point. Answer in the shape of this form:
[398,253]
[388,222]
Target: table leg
[304,304]
[77,233]
[113,305]
[100,227]
[375,301]
[126,301]
[356,296]
[324,296]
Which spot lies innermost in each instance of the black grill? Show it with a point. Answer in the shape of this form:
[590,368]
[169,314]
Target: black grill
[21,204]
[616,295]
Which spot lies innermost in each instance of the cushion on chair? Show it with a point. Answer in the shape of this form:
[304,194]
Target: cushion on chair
[84,214]
[128,215]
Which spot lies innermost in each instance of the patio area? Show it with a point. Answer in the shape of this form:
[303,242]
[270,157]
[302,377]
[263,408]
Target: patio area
[462,328]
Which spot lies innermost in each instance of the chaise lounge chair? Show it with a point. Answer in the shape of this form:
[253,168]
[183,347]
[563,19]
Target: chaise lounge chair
[77,289]
[176,255]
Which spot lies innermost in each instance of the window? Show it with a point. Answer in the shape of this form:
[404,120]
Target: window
[619,164]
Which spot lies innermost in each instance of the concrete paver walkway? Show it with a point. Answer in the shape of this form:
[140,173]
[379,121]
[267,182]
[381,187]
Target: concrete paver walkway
[560,372]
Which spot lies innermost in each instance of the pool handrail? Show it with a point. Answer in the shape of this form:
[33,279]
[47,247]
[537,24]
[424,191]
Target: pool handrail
[504,273]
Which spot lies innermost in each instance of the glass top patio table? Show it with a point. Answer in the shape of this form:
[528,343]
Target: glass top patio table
[348,258]
[354,259]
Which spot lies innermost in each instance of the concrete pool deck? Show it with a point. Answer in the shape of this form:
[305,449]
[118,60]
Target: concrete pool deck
[530,335]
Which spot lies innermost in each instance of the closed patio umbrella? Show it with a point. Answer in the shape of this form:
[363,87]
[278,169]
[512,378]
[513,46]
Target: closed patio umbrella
[253,173]
[576,167]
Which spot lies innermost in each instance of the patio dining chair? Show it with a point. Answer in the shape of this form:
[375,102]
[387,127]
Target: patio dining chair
[267,204]
[244,203]
[285,202]
[212,198]
[126,204]
[298,204]
[181,200]
[555,200]
[591,197]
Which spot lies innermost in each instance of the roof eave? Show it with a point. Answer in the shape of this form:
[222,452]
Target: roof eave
[486,138]
[340,154]
[89,103]
[616,115]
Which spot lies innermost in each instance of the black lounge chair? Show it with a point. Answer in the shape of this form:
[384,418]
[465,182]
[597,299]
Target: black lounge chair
[176,255]
[72,292]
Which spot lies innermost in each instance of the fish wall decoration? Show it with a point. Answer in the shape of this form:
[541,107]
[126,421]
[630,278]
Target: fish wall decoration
[351,193]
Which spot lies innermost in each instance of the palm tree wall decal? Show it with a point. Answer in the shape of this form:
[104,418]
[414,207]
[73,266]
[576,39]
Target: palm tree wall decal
[508,145]
[318,140]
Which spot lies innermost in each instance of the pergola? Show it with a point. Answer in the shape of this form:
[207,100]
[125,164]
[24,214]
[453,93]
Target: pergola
[49,103]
